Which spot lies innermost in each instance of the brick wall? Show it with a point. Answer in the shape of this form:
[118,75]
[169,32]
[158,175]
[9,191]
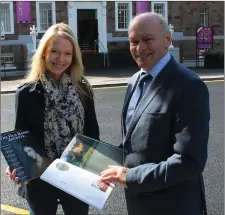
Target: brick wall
[111,28]
[20,51]
[185,16]
[118,47]
[24,28]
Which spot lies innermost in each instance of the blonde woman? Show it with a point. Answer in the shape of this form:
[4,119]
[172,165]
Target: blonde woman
[55,103]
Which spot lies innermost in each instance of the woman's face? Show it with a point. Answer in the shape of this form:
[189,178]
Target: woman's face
[58,56]
[30,152]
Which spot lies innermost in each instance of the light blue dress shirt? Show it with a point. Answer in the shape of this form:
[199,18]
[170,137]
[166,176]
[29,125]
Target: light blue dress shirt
[153,72]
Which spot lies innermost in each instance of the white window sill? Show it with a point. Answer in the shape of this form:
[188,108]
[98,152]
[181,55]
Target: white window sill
[5,33]
[122,29]
[7,67]
[41,32]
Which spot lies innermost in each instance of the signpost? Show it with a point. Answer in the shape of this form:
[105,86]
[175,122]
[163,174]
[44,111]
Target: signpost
[204,40]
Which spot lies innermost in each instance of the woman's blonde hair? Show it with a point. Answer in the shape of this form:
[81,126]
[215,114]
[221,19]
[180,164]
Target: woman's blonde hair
[76,68]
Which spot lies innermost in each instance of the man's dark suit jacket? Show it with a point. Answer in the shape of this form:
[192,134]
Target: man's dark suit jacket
[30,105]
[165,146]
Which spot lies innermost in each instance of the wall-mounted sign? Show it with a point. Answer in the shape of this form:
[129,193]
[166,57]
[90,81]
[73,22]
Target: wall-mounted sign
[23,12]
[141,7]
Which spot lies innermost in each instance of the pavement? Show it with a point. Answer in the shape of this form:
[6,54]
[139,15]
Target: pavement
[102,77]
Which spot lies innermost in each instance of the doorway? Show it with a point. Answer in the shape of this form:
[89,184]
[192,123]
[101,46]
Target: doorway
[87,29]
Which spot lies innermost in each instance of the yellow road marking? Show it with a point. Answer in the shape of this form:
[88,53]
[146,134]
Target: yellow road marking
[14,210]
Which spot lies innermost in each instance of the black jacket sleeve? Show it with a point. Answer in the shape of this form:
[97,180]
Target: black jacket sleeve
[20,110]
[91,127]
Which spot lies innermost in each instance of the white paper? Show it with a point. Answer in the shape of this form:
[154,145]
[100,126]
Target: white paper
[77,182]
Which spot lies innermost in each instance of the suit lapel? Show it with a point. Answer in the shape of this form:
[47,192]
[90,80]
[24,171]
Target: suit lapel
[152,91]
[154,88]
[130,90]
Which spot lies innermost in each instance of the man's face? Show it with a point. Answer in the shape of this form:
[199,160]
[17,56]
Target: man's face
[148,43]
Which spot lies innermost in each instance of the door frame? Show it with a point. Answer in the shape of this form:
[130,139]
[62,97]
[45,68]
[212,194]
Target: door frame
[101,17]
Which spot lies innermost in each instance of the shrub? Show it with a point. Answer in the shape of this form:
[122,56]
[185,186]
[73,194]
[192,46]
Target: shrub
[214,60]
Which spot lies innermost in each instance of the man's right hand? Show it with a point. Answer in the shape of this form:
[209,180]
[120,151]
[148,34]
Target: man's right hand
[12,175]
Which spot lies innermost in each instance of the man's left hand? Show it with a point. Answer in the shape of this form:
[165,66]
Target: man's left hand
[115,174]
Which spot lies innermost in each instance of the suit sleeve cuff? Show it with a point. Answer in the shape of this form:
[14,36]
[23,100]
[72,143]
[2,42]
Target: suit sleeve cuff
[132,181]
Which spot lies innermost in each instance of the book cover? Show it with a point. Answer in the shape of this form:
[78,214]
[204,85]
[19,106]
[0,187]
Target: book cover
[23,153]
[77,172]
[92,155]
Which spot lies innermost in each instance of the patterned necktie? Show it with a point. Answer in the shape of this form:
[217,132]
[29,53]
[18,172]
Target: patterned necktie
[141,86]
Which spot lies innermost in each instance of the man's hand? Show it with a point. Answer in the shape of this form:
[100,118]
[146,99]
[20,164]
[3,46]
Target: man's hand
[115,174]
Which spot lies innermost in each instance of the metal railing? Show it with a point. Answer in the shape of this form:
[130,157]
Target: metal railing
[104,51]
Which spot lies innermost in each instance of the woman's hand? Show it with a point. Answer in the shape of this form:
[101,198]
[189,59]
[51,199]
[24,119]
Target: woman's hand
[12,175]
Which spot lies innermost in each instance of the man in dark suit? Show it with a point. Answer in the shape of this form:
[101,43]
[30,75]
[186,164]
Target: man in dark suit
[165,126]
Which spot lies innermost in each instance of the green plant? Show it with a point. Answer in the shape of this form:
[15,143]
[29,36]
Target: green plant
[214,60]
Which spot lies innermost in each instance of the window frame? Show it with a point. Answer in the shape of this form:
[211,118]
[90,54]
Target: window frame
[165,3]
[204,13]
[11,17]
[38,14]
[116,12]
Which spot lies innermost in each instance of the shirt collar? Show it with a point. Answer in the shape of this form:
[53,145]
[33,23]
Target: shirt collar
[157,68]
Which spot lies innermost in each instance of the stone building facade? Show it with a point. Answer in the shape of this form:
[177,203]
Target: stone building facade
[185,17]
[101,27]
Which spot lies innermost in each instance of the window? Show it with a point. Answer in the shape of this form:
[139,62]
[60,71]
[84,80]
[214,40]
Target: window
[6,18]
[204,22]
[7,60]
[123,15]
[46,16]
[204,18]
[160,7]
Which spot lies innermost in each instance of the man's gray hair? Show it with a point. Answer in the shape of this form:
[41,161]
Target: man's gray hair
[159,17]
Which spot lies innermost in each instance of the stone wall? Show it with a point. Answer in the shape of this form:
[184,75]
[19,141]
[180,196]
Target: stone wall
[24,28]
[185,16]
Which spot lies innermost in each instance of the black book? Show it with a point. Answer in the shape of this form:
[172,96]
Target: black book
[23,153]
